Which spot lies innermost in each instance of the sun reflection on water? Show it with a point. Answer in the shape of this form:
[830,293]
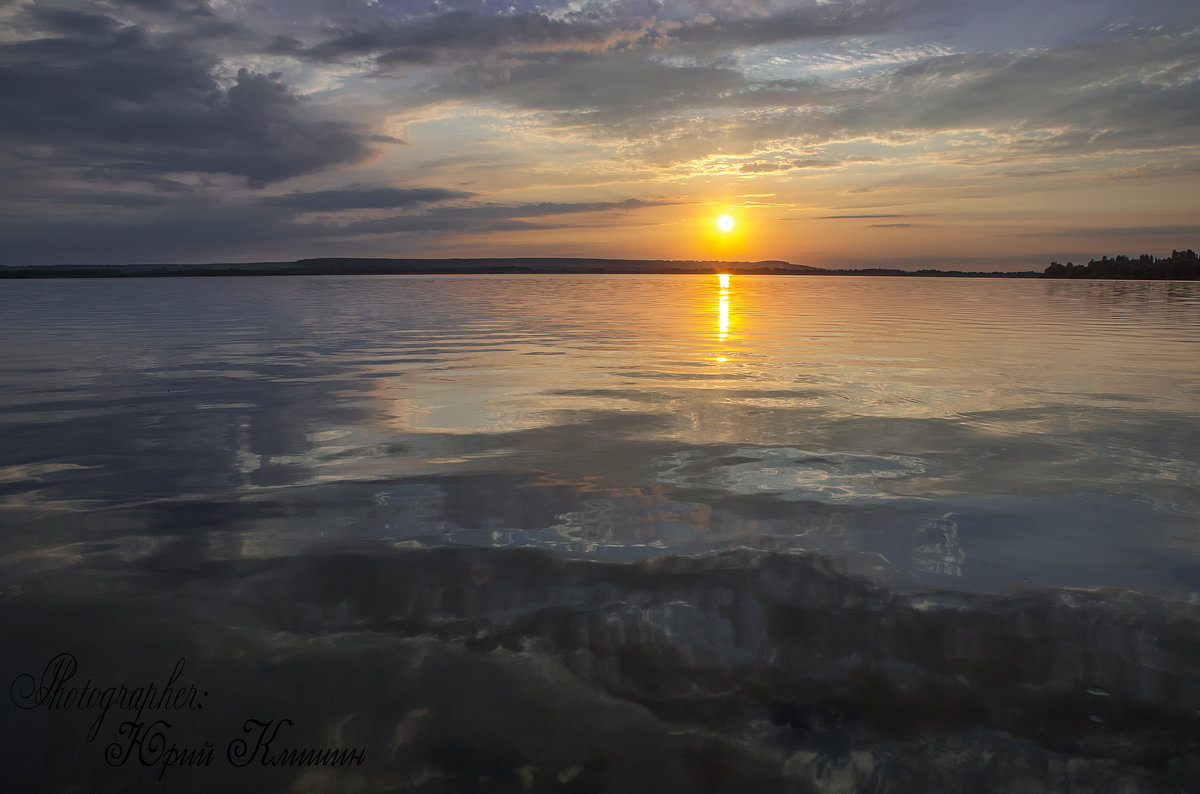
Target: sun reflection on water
[722,312]
[723,308]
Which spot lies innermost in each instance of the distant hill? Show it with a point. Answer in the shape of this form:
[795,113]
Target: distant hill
[355,266]
[343,266]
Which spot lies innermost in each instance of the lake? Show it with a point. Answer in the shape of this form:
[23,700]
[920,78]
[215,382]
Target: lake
[600,533]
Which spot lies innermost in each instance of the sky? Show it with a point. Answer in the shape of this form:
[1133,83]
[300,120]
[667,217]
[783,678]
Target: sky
[966,134]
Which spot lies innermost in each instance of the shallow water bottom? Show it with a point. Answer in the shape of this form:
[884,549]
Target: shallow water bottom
[385,669]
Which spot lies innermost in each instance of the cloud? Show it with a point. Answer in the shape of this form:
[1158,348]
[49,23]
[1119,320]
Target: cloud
[772,167]
[1131,91]
[1189,230]
[74,22]
[211,230]
[598,89]
[99,94]
[196,8]
[363,198]
[1156,171]
[420,40]
[472,219]
[763,168]
[815,21]
[860,217]
[1031,173]
[416,36]
[1136,91]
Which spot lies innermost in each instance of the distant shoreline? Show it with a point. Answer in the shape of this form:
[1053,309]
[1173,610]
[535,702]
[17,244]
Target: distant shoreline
[1180,266]
[473,266]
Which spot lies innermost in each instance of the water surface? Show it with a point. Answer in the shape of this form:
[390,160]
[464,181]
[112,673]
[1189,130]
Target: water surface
[619,483]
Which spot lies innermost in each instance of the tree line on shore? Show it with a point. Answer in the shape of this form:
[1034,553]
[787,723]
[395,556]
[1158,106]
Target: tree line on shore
[1179,266]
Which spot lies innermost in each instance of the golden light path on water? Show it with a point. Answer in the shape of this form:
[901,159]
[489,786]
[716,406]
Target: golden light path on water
[723,311]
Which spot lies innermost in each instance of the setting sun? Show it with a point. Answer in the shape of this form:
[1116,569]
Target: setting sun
[725,223]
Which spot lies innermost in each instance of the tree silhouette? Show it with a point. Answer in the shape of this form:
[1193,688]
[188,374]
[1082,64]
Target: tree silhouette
[1180,266]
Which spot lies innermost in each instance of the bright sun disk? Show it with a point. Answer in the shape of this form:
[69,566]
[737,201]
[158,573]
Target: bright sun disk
[725,223]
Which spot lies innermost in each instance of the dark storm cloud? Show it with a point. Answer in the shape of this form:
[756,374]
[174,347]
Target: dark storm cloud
[363,198]
[97,94]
